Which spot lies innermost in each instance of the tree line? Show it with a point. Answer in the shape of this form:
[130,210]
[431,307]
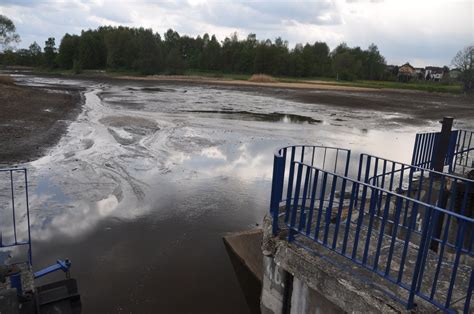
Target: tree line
[144,51]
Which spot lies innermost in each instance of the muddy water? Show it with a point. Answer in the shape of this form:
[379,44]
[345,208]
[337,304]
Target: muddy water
[145,183]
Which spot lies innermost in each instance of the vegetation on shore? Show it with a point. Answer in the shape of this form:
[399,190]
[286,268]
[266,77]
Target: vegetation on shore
[139,51]
[6,80]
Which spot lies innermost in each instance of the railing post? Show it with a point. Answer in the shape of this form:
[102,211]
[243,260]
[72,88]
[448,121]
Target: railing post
[422,252]
[277,189]
[440,152]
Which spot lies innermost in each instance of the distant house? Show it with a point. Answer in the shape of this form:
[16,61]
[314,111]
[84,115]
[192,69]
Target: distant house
[434,73]
[420,73]
[406,72]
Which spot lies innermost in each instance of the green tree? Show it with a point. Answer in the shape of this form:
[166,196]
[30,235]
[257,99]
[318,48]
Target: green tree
[464,61]
[296,62]
[149,54]
[8,33]
[322,61]
[345,66]
[8,57]
[375,64]
[308,60]
[49,53]
[211,55]
[281,57]
[174,62]
[35,54]
[121,48]
[68,51]
[92,49]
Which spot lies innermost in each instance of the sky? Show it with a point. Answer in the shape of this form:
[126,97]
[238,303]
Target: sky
[422,32]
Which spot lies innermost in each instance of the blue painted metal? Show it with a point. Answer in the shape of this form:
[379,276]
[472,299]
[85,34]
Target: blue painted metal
[460,149]
[19,205]
[283,166]
[15,282]
[16,179]
[60,265]
[316,201]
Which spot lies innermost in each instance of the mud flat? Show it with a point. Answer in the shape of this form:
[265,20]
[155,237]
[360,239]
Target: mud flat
[149,177]
[33,119]
[420,105]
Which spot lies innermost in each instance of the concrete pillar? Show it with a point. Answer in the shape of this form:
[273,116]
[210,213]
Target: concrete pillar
[273,288]
[305,300]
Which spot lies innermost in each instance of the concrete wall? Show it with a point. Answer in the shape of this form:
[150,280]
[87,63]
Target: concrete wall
[296,281]
[283,293]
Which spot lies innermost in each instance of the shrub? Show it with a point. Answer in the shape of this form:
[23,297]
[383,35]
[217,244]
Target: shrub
[6,80]
[261,78]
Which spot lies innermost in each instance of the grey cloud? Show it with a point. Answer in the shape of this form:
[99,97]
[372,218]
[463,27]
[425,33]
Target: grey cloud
[270,14]
[312,12]
[295,21]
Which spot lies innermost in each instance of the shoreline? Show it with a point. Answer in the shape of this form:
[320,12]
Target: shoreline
[304,85]
[34,119]
[44,117]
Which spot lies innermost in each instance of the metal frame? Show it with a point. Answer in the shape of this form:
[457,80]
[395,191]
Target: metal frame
[310,201]
[283,162]
[24,175]
[460,149]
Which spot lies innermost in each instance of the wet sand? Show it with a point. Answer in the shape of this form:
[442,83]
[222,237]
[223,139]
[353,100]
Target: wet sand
[230,82]
[420,105]
[33,120]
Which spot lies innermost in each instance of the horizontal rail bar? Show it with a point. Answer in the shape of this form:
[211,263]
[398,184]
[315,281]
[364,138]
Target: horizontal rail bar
[315,199]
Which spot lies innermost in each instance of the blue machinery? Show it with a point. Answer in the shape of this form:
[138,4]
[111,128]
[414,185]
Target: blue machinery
[17,235]
[409,224]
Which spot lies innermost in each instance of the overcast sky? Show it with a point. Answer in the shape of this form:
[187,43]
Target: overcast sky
[423,32]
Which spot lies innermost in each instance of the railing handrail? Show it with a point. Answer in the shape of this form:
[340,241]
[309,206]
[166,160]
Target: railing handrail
[12,169]
[419,168]
[426,147]
[23,172]
[278,154]
[406,198]
[303,187]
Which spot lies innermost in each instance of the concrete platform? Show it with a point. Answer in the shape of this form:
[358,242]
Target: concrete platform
[247,246]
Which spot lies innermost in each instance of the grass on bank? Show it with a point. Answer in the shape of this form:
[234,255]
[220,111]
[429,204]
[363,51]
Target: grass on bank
[428,86]
[455,88]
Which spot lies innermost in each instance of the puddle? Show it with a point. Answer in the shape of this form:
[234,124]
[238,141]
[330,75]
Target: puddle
[253,116]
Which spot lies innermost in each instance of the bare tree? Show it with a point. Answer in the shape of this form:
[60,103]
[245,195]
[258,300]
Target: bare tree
[7,32]
[464,61]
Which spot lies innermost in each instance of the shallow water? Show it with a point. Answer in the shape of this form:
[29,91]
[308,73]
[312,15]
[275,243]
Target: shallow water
[147,180]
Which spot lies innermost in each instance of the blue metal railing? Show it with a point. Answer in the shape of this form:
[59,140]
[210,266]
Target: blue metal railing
[375,223]
[330,158]
[14,182]
[404,178]
[464,152]
[460,149]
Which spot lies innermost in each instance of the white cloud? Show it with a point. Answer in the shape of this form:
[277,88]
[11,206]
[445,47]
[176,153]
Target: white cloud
[422,31]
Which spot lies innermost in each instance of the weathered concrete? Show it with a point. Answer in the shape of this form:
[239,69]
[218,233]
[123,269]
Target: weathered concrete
[27,279]
[344,285]
[306,300]
[244,250]
[247,246]
[9,301]
[275,287]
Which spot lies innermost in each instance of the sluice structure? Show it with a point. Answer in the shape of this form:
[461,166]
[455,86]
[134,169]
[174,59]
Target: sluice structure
[18,291]
[368,234]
